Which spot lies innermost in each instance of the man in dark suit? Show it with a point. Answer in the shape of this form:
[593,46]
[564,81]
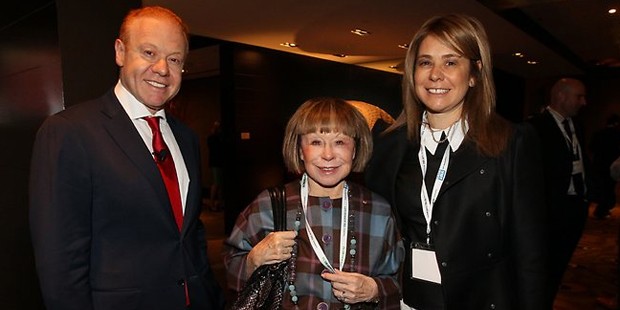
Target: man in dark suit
[109,232]
[565,175]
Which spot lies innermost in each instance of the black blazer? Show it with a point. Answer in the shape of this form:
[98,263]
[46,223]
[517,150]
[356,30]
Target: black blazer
[487,222]
[102,227]
[557,159]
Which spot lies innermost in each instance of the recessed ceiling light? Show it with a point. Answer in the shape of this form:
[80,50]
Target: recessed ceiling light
[532,62]
[612,11]
[404,46]
[518,54]
[288,44]
[360,32]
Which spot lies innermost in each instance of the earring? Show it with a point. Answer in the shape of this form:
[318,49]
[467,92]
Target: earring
[471,83]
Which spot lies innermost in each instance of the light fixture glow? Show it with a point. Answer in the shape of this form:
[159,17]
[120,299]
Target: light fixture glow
[518,54]
[532,62]
[360,32]
[404,46]
[288,44]
[340,55]
[612,11]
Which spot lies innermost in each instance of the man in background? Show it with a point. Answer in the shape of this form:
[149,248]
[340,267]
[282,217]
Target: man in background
[564,173]
[115,187]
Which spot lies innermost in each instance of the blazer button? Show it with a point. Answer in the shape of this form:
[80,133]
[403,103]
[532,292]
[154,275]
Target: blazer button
[490,255]
[492,306]
[436,222]
[487,214]
[444,264]
[181,282]
[482,171]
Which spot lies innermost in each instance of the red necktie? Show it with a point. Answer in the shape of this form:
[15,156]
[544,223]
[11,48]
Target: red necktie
[165,163]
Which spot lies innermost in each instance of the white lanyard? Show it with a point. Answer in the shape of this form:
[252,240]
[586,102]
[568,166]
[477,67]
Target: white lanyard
[571,139]
[427,204]
[344,225]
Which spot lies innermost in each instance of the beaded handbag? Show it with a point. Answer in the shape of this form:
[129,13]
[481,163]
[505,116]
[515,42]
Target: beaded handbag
[265,287]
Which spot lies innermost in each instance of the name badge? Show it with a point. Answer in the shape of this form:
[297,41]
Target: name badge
[424,265]
[577,167]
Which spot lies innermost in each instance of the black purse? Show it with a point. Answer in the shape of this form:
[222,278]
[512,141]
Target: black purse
[265,287]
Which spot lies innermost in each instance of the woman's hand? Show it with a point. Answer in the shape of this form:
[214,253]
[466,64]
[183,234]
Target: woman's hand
[274,248]
[351,288]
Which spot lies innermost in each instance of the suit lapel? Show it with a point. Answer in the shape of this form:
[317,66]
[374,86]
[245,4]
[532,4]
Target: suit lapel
[559,139]
[462,163]
[185,145]
[122,130]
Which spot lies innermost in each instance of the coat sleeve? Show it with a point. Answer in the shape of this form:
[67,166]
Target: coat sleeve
[252,225]
[528,218]
[388,268]
[60,215]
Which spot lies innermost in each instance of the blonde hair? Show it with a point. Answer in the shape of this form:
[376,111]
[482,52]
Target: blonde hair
[326,115]
[467,36]
[150,11]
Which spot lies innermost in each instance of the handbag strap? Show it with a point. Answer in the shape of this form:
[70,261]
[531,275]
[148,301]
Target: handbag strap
[278,204]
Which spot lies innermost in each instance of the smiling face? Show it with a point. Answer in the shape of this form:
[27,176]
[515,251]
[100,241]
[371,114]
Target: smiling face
[151,60]
[442,78]
[327,158]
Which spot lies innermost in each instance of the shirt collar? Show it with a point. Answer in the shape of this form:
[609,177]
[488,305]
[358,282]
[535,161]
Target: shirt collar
[455,133]
[134,108]
[558,117]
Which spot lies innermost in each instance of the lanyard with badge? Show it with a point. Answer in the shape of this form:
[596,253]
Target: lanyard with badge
[423,259]
[344,225]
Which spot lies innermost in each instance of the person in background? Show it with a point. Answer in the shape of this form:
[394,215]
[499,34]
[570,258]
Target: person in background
[564,175]
[342,238]
[605,148]
[464,183]
[115,189]
[215,143]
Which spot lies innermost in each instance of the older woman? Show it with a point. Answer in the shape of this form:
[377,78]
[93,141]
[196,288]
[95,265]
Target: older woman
[344,245]
[465,184]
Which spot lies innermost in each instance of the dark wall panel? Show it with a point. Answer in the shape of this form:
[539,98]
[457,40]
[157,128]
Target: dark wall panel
[30,89]
[87,30]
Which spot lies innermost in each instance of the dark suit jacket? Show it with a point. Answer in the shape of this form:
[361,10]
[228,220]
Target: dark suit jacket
[102,227]
[487,222]
[557,159]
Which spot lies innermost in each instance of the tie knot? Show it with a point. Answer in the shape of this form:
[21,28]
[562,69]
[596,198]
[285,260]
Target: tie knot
[567,128]
[153,122]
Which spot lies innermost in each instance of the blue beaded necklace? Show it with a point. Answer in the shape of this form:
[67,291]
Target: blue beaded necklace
[297,225]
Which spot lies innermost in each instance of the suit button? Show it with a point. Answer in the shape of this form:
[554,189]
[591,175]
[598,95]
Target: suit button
[487,214]
[327,239]
[490,255]
[492,306]
[181,282]
[326,205]
[482,171]
[436,222]
[444,264]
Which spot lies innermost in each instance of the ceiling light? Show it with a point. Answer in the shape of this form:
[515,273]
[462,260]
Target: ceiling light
[612,11]
[360,32]
[404,46]
[340,55]
[288,44]
[518,54]
[532,62]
